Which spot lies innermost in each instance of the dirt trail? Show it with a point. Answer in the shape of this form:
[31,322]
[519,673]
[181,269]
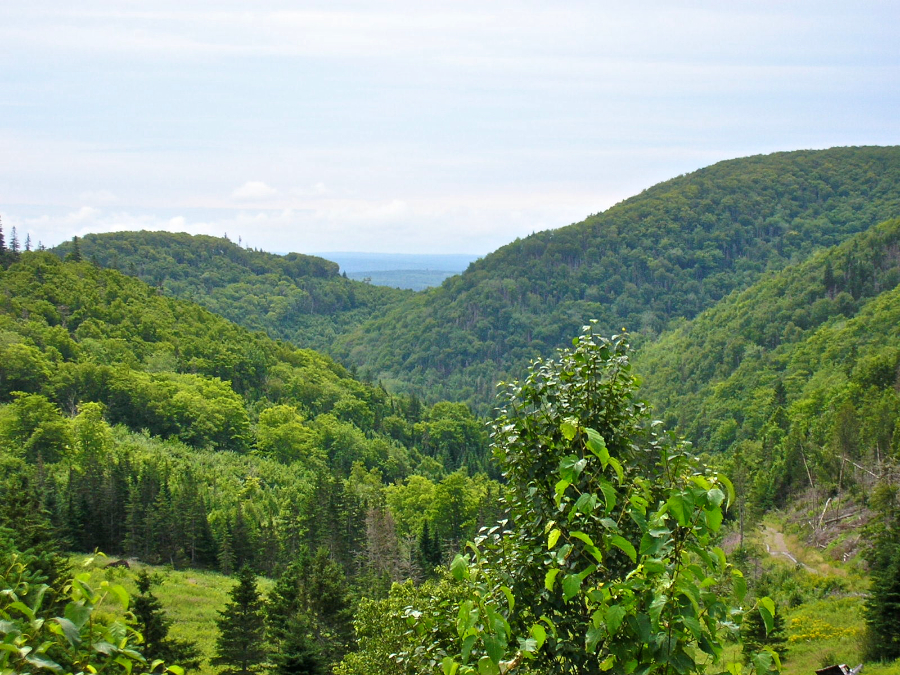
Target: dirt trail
[776,546]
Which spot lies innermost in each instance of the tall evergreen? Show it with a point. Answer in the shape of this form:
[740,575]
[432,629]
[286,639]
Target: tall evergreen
[882,612]
[755,637]
[240,646]
[153,624]
[75,254]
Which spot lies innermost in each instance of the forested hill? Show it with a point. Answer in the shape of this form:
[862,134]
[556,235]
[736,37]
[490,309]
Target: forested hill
[803,367]
[671,251]
[294,297]
[152,427]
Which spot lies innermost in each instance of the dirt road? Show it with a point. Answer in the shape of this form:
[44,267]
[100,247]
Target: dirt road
[776,546]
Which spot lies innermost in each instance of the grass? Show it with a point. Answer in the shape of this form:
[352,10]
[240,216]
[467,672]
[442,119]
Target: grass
[827,627]
[191,598]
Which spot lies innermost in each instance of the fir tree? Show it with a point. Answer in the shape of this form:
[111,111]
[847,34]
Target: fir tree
[755,638]
[882,612]
[13,241]
[298,653]
[153,624]
[28,242]
[240,644]
[23,516]
[2,239]
[75,254]
[429,549]
[290,630]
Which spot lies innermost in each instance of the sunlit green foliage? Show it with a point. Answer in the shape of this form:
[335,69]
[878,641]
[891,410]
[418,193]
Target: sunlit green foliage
[671,251]
[294,297]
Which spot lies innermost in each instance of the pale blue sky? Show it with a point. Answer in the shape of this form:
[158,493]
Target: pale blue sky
[411,126]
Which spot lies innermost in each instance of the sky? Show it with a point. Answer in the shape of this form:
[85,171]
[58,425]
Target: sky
[411,126]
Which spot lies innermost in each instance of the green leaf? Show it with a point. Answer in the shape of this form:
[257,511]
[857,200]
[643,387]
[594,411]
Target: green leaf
[459,568]
[597,445]
[487,667]
[467,645]
[539,634]
[617,467]
[729,487]
[693,625]
[569,428]
[449,666]
[550,578]
[495,648]
[714,519]
[77,613]
[511,601]
[69,630]
[552,538]
[128,665]
[715,497]
[581,536]
[608,663]
[739,584]
[625,546]
[571,585]
[570,467]
[613,618]
[609,495]
[585,503]
[23,608]
[121,594]
[592,639]
[656,607]
[767,612]
[679,509]
[44,662]
[561,487]
[175,670]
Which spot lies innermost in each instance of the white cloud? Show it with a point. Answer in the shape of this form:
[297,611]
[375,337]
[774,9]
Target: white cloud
[254,189]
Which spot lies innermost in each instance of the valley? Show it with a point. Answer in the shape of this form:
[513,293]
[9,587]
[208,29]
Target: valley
[211,413]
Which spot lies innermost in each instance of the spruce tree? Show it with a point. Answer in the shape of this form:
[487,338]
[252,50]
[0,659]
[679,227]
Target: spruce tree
[153,624]
[882,612]
[290,630]
[240,644]
[75,254]
[755,638]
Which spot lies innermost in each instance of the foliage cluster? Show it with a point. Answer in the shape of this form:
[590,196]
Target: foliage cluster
[607,561]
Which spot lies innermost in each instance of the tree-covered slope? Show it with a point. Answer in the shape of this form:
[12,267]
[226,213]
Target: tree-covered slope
[671,251]
[147,425]
[294,297]
[800,371]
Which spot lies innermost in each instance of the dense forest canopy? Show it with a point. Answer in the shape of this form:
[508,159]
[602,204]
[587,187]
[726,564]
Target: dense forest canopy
[180,436]
[293,297]
[671,251]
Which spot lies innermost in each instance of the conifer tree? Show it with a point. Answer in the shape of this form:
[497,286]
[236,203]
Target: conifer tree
[290,630]
[755,638]
[153,624]
[75,254]
[240,644]
[13,241]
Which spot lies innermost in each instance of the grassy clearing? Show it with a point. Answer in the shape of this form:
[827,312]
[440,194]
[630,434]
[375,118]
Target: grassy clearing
[822,603]
[191,598]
